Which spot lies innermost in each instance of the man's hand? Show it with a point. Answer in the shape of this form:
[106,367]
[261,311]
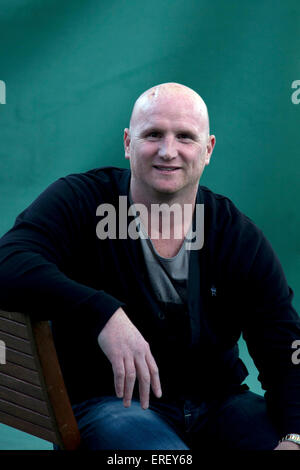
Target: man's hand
[130,357]
[287,445]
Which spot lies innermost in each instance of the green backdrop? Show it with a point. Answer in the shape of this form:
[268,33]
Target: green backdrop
[73,69]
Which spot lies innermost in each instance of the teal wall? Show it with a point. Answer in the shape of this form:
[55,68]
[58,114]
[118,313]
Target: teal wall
[73,70]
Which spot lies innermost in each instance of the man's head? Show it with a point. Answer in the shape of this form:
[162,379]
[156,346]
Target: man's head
[168,142]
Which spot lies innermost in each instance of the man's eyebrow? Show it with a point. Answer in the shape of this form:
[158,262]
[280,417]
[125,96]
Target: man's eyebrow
[151,129]
[189,133]
[197,136]
[192,134]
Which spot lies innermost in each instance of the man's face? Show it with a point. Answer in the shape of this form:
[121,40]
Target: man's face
[168,145]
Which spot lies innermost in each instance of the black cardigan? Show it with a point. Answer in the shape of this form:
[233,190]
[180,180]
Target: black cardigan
[53,266]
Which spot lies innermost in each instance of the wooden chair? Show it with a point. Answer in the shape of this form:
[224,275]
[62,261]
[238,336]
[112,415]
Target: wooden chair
[33,397]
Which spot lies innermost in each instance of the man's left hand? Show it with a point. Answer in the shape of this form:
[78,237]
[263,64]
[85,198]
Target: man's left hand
[287,445]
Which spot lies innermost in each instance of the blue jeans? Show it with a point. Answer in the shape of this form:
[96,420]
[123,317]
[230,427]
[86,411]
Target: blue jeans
[240,421]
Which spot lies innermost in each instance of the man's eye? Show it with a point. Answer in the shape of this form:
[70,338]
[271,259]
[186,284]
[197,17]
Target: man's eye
[153,135]
[183,136]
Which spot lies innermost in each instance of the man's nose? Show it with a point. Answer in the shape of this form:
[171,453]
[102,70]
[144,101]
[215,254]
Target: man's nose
[168,148]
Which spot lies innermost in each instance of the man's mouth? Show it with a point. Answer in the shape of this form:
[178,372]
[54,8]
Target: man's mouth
[167,169]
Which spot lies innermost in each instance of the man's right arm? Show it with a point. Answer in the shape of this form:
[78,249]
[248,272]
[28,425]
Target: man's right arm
[34,256]
[36,253]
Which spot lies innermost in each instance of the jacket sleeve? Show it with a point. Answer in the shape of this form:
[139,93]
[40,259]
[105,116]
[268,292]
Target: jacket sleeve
[271,326]
[35,255]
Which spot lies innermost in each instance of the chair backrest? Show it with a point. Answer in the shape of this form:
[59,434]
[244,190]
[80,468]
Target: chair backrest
[33,396]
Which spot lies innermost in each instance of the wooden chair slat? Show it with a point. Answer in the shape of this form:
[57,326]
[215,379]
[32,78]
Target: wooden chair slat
[16,343]
[26,414]
[20,386]
[13,328]
[26,401]
[16,316]
[22,359]
[30,428]
[27,375]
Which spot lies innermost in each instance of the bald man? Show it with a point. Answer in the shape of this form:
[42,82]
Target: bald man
[168,145]
[146,323]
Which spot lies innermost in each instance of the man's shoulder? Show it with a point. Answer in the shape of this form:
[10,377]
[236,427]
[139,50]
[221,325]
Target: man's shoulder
[105,175]
[106,181]
[222,213]
[217,202]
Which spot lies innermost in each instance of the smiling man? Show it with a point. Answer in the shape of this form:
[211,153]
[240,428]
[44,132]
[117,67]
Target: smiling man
[146,328]
[168,144]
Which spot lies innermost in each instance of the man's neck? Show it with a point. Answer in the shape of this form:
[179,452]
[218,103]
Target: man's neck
[168,216]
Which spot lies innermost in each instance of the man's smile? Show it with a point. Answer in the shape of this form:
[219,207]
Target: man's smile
[166,169]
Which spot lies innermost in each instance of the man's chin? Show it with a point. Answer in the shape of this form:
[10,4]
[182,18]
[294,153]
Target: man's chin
[167,190]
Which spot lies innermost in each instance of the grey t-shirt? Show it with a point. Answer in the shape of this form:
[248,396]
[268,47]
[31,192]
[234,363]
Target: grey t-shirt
[168,276]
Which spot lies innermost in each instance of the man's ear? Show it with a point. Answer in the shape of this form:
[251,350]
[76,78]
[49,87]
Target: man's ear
[211,141]
[127,143]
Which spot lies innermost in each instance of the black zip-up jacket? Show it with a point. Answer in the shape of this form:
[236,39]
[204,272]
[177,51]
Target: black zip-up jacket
[53,266]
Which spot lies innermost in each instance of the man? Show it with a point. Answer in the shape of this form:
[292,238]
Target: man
[151,319]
